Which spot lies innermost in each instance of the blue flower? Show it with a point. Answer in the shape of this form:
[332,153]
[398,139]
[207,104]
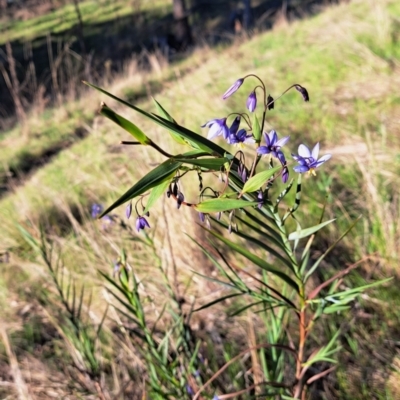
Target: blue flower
[308,160]
[141,223]
[96,210]
[217,127]
[233,88]
[240,138]
[273,146]
[251,103]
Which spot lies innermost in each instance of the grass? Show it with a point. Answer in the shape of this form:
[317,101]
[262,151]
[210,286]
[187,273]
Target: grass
[64,18]
[348,59]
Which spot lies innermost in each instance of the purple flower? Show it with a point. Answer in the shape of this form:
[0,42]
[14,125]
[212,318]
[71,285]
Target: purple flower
[202,217]
[251,103]
[96,210]
[273,146]
[189,390]
[240,138]
[141,223]
[128,210]
[233,88]
[217,127]
[308,160]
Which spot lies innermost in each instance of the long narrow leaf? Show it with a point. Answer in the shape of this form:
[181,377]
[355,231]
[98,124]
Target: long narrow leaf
[250,238]
[152,179]
[256,260]
[222,204]
[258,180]
[124,124]
[331,247]
[302,233]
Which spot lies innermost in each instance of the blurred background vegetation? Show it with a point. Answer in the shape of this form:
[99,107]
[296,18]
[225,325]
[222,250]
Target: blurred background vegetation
[58,157]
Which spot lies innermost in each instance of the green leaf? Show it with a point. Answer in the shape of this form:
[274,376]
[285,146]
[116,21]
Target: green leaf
[256,260]
[258,180]
[195,140]
[124,124]
[216,301]
[302,233]
[152,179]
[222,204]
[256,128]
[163,113]
[209,163]
[157,192]
[250,237]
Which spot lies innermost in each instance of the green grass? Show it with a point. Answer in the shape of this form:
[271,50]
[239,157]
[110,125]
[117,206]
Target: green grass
[64,18]
[347,60]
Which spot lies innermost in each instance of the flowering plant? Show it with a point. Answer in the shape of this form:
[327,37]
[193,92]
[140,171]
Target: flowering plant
[248,198]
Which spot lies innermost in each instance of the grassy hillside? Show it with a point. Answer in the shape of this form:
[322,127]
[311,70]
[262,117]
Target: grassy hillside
[348,58]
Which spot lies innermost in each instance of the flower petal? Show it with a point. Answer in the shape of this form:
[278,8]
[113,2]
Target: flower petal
[315,152]
[263,150]
[281,142]
[304,151]
[323,159]
[273,138]
[301,168]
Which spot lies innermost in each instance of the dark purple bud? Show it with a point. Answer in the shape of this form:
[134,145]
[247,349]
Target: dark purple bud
[168,193]
[303,92]
[141,223]
[179,199]
[235,126]
[219,215]
[128,210]
[202,217]
[175,189]
[285,174]
[147,214]
[270,102]
[96,210]
[233,88]
[251,103]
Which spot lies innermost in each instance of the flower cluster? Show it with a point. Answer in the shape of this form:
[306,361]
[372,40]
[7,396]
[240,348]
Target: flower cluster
[308,160]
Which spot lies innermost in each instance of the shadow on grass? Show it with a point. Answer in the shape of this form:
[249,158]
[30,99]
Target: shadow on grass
[109,45]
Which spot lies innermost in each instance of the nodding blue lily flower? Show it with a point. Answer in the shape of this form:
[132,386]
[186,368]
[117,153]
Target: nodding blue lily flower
[273,146]
[308,160]
[217,127]
[240,138]
[96,210]
[141,223]
[251,103]
[233,88]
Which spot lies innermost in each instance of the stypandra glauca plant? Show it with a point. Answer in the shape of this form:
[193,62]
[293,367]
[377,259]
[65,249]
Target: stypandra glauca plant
[248,204]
